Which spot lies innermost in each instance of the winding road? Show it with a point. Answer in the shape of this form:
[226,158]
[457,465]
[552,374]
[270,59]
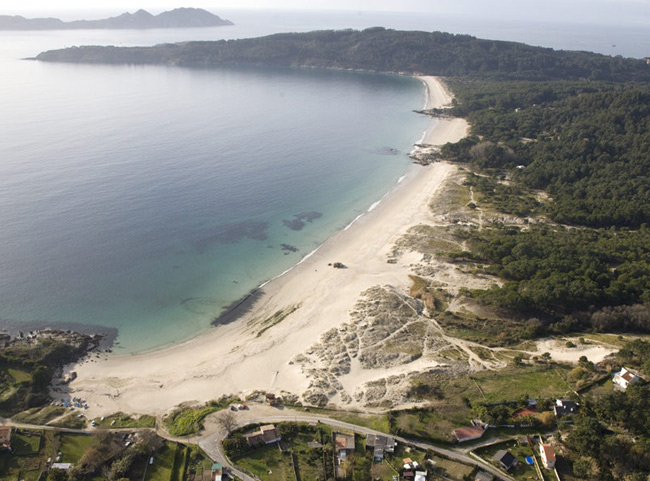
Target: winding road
[211,438]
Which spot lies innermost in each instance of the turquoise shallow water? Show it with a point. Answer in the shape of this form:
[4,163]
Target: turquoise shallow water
[148,198]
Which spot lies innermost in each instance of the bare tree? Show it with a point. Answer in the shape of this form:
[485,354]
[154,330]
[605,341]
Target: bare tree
[227,420]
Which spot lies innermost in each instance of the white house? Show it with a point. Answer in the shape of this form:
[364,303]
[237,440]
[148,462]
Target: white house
[548,455]
[624,378]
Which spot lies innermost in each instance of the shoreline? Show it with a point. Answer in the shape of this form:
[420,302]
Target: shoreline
[254,349]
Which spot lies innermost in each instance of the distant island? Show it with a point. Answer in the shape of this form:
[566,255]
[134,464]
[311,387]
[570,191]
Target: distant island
[177,18]
[376,49]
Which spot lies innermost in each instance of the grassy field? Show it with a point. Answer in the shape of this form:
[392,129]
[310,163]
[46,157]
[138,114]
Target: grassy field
[539,381]
[25,462]
[25,441]
[19,375]
[310,462]
[73,446]
[26,468]
[449,406]
[268,463]
[452,469]
[161,469]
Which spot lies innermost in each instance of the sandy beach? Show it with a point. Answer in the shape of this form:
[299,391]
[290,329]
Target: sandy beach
[256,351]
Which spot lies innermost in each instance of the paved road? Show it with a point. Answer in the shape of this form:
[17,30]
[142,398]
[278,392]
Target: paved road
[210,440]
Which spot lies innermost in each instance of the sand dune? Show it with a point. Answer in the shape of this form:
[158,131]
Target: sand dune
[255,352]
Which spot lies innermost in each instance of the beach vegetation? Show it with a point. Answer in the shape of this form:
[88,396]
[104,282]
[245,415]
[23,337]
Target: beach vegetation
[186,421]
[71,421]
[275,319]
[122,420]
[40,416]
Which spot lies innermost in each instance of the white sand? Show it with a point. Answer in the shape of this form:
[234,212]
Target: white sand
[595,352]
[230,359]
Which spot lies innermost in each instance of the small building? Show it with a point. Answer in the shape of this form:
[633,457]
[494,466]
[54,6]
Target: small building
[61,466]
[343,445]
[468,433]
[564,407]
[483,476]
[380,445]
[505,459]
[624,378]
[268,434]
[217,472]
[548,455]
[420,476]
[5,437]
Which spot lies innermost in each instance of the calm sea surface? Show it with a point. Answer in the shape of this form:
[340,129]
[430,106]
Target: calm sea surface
[146,199]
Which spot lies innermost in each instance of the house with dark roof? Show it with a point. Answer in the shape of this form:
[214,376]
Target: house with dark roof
[564,407]
[547,454]
[505,459]
[380,445]
[624,378]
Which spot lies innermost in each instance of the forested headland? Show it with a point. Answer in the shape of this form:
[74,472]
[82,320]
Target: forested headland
[375,49]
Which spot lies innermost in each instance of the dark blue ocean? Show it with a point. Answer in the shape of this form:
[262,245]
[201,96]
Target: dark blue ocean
[146,199]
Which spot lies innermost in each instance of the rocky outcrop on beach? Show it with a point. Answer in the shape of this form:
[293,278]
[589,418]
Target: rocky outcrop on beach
[37,356]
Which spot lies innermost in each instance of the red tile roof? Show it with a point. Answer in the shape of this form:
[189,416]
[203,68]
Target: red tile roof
[548,452]
[529,411]
[468,432]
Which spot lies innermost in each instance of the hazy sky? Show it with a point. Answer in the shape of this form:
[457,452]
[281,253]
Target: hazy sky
[593,11]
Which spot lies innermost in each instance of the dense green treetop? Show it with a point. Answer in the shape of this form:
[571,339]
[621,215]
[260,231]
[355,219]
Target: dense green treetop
[375,49]
[586,144]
